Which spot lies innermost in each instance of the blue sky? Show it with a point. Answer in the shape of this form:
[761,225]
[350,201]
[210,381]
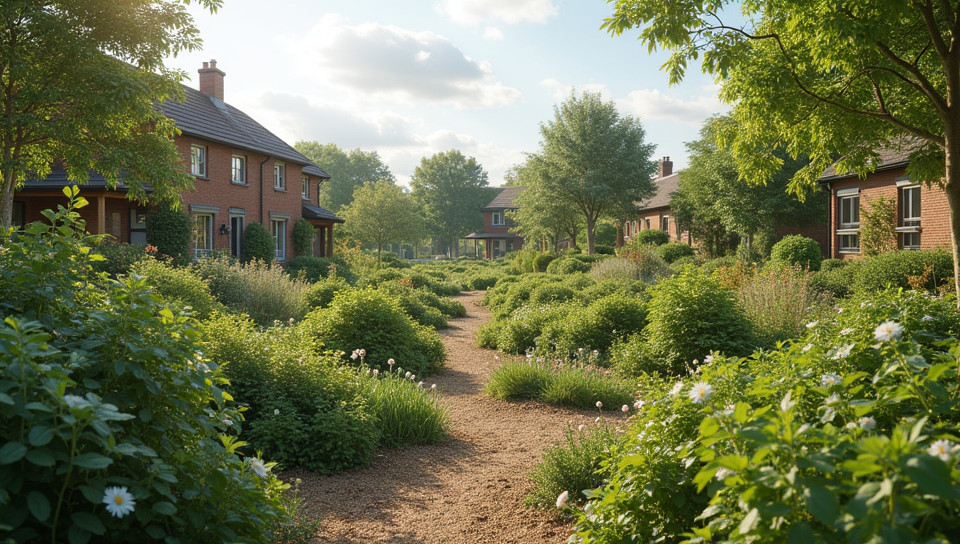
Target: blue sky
[413,78]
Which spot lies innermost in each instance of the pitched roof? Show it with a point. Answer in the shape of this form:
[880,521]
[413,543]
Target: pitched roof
[207,117]
[505,199]
[312,211]
[894,155]
[57,179]
[664,186]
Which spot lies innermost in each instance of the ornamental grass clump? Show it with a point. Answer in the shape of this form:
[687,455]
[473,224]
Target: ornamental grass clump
[573,384]
[571,465]
[779,302]
[406,412]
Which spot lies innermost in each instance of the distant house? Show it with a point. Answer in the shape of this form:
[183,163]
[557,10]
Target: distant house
[923,212]
[497,237]
[243,174]
[655,212]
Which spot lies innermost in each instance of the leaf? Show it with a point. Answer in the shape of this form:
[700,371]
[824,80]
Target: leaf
[801,533]
[932,476]
[92,461]
[41,457]
[88,522]
[6,399]
[40,435]
[76,535]
[165,508]
[11,452]
[821,502]
[39,505]
[709,426]
[749,521]
[155,532]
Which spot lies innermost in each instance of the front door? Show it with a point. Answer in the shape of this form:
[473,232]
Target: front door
[236,234]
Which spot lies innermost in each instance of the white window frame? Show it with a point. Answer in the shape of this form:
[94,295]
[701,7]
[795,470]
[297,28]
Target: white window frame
[238,173]
[280,176]
[278,229]
[198,160]
[305,187]
[496,219]
[202,234]
[909,229]
[848,233]
[665,223]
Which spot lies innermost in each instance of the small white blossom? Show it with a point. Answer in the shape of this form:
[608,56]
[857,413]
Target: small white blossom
[830,380]
[941,449]
[927,318]
[832,399]
[391,362]
[843,351]
[119,501]
[812,324]
[363,352]
[420,384]
[354,355]
[806,348]
[276,411]
[851,425]
[413,377]
[867,423]
[723,473]
[624,408]
[562,499]
[639,404]
[846,331]
[888,330]
[376,371]
[728,409]
[597,420]
[433,387]
[700,392]
[677,387]
[839,310]
[599,404]
[708,359]
[257,466]
[407,375]
[581,427]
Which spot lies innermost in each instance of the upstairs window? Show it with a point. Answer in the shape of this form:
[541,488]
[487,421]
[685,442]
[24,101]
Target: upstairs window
[198,160]
[497,219]
[909,228]
[280,176]
[238,169]
[305,187]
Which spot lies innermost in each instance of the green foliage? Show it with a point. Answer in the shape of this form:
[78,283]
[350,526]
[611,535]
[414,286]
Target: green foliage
[604,249]
[550,293]
[119,257]
[303,234]
[170,231]
[257,244]
[413,306]
[312,268]
[263,291]
[604,321]
[691,315]
[571,465]
[575,385]
[567,265]
[515,380]
[654,237]
[895,268]
[515,294]
[878,226]
[542,261]
[650,264]
[382,213]
[796,250]
[370,320]
[779,303]
[178,284]
[348,171]
[836,278]
[524,327]
[103,385]
[321,293]
[407,413]
[673,251]
[635,356]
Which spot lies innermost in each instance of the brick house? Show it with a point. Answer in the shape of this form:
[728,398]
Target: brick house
[497,237]
[923,213]
[655,213]
[243,174]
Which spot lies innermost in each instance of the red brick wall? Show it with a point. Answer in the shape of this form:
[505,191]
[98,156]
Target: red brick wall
[934,208]
[655,216]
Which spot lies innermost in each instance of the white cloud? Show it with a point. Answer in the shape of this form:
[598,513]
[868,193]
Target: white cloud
[402,65]
[493,33]
[652,104]
[476,12]
[562,92]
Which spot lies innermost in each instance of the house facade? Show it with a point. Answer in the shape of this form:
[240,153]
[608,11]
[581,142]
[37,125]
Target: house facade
[243,174]
[497,237]
[922,211]
[655,212]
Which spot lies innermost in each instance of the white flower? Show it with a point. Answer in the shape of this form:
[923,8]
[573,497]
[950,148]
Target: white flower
[867,423]
[407,375]
[806,348]
[257,466]
[624,408]
[700,392]
[599,404]
[376,371]
[708,359]
[596,353]
[839,310]
[812,324]
[276,411]
[291,321]
[832,399]
[75,401]
[843,351]
[433,387]
[927,318]
[119,501]
[941,449]
[354,355]
[888,330]
[639,404]
[677,387]
[579,350]
[846,331]
[830,380]
[597,420]
[728,409]
[363,352]
[723,473]
[562,499]
[420,384]
[581,427]
[851,425]
[391,362]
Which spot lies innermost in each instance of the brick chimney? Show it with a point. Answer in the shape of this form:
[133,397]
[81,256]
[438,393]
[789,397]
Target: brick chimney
[211,79]
[665,169]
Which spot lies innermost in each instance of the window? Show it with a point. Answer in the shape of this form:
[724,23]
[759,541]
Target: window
[497,218]
[848,233]
[279,230]
[646,223]
[280,176]
[203,234]
[909,228]
[238,169]
[665,223]
[198,160]
[19,213]
[305,189]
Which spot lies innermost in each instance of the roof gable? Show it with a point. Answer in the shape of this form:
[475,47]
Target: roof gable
[505,199]
[664,187]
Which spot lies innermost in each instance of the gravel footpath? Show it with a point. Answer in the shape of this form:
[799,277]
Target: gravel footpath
[468,489]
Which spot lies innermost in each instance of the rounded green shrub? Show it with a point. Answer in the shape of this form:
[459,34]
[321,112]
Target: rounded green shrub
[674,251]
[523,328]
[649,265]
[550,293]
[895,268]
[322,292]
[796,250]
[634,357]
[518,293]
[604,321]
[542,261]
[604,249]
[312,268]
[303,235]
[568,265]
[515,380]
[178,284]
[170,232]
[692,315]
[371,320]
[827,265]
[257,244]
[119,257]
[583,387]
[655,237]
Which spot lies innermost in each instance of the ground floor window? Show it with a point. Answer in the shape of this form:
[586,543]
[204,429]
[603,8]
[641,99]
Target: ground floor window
[278,228]
[19,213]
[203,234]
[849,243]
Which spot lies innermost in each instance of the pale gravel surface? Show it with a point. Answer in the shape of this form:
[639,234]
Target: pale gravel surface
[467,490]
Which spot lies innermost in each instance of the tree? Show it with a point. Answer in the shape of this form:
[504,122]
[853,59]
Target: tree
[451,190]
[348,171]
[826,79]
[78,83]
[540,216]
[594,160]
[380,214]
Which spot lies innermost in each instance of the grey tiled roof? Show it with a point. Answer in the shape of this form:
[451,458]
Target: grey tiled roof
[665,186]
[312,211]
[895,155]
[204,116]
[57,179]
[505,198]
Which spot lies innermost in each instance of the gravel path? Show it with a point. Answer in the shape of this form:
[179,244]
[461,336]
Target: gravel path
[467,490]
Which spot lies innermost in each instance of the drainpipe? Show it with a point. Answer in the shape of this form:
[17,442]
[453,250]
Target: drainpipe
[261,189]
[830,221]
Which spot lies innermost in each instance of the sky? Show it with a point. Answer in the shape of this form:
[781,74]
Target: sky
[412,78]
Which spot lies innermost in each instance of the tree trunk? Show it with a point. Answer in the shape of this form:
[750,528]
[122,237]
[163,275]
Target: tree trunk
[6,200]
[454,248]
[591,225]
[952,189]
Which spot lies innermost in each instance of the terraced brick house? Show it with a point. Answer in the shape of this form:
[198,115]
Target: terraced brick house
[655,212]
[497,237]
[243,174]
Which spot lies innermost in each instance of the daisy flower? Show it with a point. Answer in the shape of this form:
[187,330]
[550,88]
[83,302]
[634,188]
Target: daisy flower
[119,501]
[888,330]
[700,392]
[257,466]
[867,423]
[941,449]
[830,380]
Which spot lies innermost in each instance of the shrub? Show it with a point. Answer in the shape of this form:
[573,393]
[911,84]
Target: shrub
[828,265]
[302,235]
[895,268]
[178,284]
[321,294]
[573,464]
[604,249]
[482,282]
[119,257]
[878,228]
[524,327]
[796,250]
[370,320]
[635,356]
[313,268]
[271,294]
[837,281]
[103,385]
[654,237]
[549,293]
[542,261]
[634,288]
[257,244]
[652,266]
[170,231]
[568,265]
[617,268]
[691,315]
[673,251]
[517,294]
[598,326]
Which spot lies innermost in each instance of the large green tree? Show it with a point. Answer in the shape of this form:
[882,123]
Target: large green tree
[823,78]
[78,82]
[594,160]
[451,190]
[539,215]
[348,171]
[382,213]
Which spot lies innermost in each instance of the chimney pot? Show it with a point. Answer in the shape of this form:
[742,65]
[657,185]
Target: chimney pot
[211,79]
[665,167]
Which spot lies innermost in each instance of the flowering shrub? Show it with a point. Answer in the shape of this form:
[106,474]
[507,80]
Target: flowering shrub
[848,435]
[113,425]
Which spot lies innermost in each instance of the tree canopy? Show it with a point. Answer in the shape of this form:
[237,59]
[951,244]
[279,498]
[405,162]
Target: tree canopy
[79,80]
[540,216]
[452,191]
[380,214]
[348,171]
[824,79]
[593,160]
